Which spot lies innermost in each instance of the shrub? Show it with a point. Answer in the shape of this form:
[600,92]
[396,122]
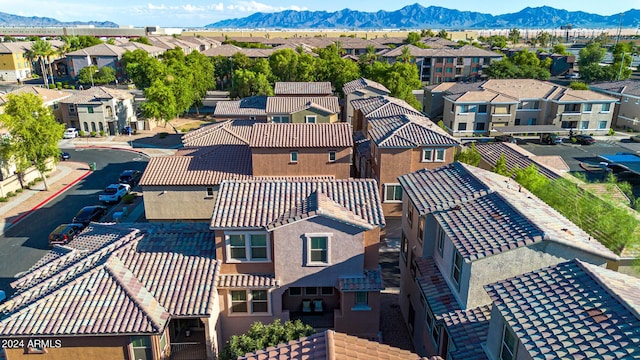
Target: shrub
[51,86]
[92,134]
[101,133]
[11,194]
[72,87]
[128,199]
[3,199]
[18,191]
[611,132]
[81,133]
[59,86]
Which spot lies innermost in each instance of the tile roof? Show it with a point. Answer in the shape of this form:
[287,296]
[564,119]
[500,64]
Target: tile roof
[302,88]
[452,185]
[319,135]
[383,106]
[268,203]
[408,131]
[630,87]
[126,284]
[371,280]
[468,329]
[96,94]
[293,104]
[99,50]
[363,145]
[362,83]
[515,157]
[222,50]
[571,310]
[487,226]
[47,95]
[250,106]
[332,345]
[232,132]
[434,287]
[247,281]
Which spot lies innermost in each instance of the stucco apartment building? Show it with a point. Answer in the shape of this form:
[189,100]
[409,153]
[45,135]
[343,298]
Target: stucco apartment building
[50,98]
[184,186]
[14,62]
[302,109]
[299,249]
[517,104]
[100,110]
[360,89]
[627,111]
[464,228]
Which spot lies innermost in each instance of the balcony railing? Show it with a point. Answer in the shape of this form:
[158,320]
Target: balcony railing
[188,351]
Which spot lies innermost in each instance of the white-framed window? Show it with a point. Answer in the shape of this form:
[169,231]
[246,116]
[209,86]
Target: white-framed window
[602,124]
[247,247]
[361,301]
[332,156]
[427,155]
[606,107]
[456,271]
[392,193]
[293,156]
[310,119]
[210,191]
[318,249]
[586,108]
[508,344]
[249,302]
[433,155]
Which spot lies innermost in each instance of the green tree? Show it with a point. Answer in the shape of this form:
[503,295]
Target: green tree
[531,178]
[427,33]
[503,69]
[469,156]
[405,56]
[369,56]
[443,34]
[501,167]
[514,36]
[593,53]
[142,40]
[40,50]
[543,38]
[559,49]
[105,75]
[141,68]
[203,76]
[578,85]
[161,102]
[412,38]
[260,336]
[87,74]
[401,80]
[34,134]
[284,64]
[248,83]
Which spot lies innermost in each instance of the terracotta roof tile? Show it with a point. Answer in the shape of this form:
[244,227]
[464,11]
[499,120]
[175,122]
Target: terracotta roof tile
[129,284]
[362,83]
[468,330]
[293,104]
[383,106]
[332,345]
[408,131]
[99,50]
[250,106]
[371,280]
[629,87]
[247,281]
[571,310]
[338,135]
[302,88]
[96,94]
[434,287]
[264,203]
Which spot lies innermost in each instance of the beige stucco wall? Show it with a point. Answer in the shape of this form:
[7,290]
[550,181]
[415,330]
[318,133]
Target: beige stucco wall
[170,203]
[362,323]
[321,117]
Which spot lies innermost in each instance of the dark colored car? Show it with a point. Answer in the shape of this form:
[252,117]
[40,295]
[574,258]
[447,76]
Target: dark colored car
[64,156]
[550,139]
[130,177]
[64,233]
[89,213]
[583,139]
[506,138]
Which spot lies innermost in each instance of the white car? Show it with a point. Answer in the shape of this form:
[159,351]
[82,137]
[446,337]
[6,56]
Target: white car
[114,193]
[70,133]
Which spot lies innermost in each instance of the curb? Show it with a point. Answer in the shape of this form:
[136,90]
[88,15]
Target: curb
[45,201]
[111,148]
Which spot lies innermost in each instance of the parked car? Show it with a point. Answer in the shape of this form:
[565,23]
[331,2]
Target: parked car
[70,133]
[130,177]
[64,156]
[89,213]
[550,139]
[574,75]
[114,193]
[64,233]
[635,138]
[506,138]
[583,139]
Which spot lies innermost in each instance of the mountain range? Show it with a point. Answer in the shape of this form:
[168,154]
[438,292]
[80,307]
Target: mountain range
[417,16]
[16,20]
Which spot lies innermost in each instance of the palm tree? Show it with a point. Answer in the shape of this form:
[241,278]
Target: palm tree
[39,50]
[406,56]
[370,56]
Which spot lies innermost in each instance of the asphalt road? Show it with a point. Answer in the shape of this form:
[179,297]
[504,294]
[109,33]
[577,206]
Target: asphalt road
[26,242]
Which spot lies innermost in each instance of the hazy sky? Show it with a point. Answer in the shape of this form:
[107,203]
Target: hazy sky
[194,13]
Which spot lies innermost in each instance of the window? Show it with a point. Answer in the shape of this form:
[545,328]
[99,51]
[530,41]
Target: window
[586,108]
[310,119]
[412,262]
[584,125]
[453,107]
[532,121]
[141,347]
[626,99]
[602,124]
[462,126]
[438,70]
[410,215]
[420,229]
[427,155]
[86,127]
[606,107]
[109,111]
[55,106]
[293,157]
[480,126]
[404,246]
[326,291]
[482,109]
[449,60]
[249,302]
[508,344]
[441,241]
[311,290]
[90,109]
[295,291]
[247,247]
[280,119]
[392,193]
[439,155]
[361,299]
[318,249]
[72,108]
[448,70]
[93,126]
[210,191]
[439,60]
[101,126]
[475,60]
[468,108]
[456,274]
[332,156]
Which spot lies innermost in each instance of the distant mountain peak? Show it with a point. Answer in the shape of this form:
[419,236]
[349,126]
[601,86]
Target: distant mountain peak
[30,21]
